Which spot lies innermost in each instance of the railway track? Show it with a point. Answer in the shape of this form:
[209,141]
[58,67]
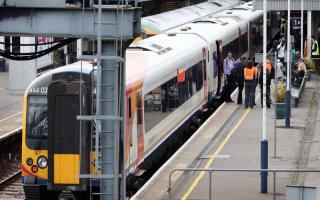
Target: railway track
[11,187]
[10,166]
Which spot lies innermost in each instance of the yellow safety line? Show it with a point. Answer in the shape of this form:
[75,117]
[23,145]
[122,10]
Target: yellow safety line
[213,157]
[5,119]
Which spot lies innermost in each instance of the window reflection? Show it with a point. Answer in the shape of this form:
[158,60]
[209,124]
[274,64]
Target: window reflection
[163,100]
[37,119]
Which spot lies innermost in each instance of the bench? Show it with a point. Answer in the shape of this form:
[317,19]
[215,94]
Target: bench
[296,91]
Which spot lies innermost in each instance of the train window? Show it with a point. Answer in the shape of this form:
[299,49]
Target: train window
[163,100]
[139,108]
[244,42]
[197,75]
[233,47]
[215,64]
[256,35]
[129,108]
[37,119]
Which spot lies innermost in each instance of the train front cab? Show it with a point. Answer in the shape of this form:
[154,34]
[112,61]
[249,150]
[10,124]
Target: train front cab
[68,140]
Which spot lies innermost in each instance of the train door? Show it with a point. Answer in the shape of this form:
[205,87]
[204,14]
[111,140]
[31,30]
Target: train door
[140,134]
[66,158]
[220,65]
[204,71]
[129,142]
[240,43]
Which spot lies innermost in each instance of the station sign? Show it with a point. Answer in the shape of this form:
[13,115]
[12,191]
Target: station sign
[296,23]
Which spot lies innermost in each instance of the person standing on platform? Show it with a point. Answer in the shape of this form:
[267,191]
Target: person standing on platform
[281,49]
[250,77]
[237,73]
[270,75]
[228,64]
[315,53]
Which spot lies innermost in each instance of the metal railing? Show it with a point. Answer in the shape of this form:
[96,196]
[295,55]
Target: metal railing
[211,170]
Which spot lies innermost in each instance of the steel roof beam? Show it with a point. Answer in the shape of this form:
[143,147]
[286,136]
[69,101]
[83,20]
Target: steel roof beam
[71,22]
[309,5]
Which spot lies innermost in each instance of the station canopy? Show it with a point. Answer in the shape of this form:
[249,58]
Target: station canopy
[313,5]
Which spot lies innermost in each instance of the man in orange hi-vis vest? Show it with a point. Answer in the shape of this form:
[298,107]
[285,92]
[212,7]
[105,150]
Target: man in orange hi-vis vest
[250,83]
[270,75]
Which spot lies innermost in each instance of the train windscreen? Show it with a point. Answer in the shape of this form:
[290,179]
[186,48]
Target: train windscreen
[37,119]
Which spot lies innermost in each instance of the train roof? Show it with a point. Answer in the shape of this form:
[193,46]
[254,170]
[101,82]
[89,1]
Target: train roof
[221,25]
[148,55]
[167,20]
[244,11]
[45,79]
[146,58]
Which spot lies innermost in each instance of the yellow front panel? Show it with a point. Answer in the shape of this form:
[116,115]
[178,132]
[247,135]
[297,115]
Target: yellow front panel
[66,168]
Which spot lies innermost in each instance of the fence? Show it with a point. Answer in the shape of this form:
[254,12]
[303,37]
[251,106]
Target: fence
[210,171]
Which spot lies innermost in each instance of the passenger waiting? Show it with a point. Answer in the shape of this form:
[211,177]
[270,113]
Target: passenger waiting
[281,48]
[299,73]
[237,74]
[228,64]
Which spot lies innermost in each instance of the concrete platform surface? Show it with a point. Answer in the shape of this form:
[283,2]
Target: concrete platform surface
[231,140]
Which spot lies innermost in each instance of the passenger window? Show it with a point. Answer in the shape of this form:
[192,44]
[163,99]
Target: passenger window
[129,108]
[139,108]
[163,100]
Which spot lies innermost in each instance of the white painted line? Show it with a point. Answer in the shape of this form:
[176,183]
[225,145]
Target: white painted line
[10,133]
[5,119]
[183,147]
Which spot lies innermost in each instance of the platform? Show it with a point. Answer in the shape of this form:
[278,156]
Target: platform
[230,139]
[10,107]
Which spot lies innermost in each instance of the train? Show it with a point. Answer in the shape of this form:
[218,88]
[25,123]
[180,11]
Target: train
[155,24]
[171,80]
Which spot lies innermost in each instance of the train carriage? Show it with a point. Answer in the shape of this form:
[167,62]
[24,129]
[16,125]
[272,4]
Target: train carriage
[171,79]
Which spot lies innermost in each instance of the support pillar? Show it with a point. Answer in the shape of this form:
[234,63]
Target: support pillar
[288,88]
[264,165]
[264,141]
[309,34]
[109,128]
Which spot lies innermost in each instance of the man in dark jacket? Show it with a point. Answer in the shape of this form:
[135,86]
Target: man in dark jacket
[270,75]
[238,74]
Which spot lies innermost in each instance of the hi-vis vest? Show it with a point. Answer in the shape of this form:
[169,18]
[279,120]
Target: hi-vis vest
[269,68]
[250,74]
[316,52]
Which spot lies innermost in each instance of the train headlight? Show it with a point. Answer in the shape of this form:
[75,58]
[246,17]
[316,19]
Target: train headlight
[42,162]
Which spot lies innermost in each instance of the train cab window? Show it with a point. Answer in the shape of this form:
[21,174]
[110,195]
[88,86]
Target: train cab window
[37,118]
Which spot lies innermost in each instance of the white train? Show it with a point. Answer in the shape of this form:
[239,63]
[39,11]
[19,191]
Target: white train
[162,22]
[171,77]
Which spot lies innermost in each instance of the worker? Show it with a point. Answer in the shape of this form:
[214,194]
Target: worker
[228,64]
[269,76]
[237,73]
[250,77]
[315,53]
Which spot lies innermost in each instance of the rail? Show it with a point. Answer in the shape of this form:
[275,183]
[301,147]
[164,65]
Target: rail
[211,170]
[10,179]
